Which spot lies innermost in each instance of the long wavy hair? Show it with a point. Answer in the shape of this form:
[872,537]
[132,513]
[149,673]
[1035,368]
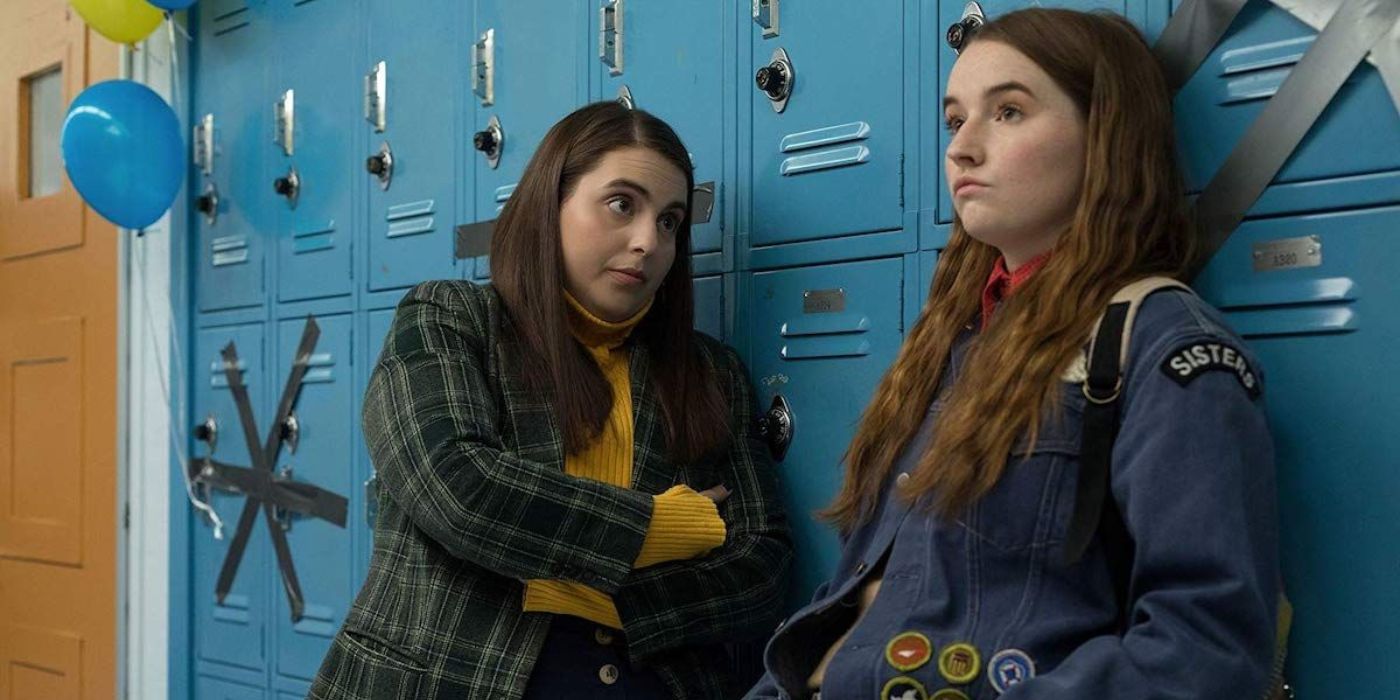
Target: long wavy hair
[527,270]
[1130,222]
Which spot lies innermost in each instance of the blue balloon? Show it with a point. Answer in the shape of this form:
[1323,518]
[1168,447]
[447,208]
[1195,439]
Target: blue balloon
[122,150]
[171,4]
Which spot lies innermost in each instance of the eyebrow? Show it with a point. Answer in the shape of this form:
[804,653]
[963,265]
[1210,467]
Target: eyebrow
[1008,86]
[624,182]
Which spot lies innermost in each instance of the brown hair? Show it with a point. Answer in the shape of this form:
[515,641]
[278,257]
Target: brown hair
[1130,222]
[527,269]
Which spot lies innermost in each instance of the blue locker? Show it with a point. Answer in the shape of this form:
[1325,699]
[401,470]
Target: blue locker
[1358,134]
[831,163]
[411,214]
[325,414]
[316,59]
[231,38]
[209,688]
[821,337]
[1325,335]
[231,633]
[950,12]
[709,306]
[526,70]
[678,76]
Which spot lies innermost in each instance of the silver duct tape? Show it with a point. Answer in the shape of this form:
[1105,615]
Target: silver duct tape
[1193,32]
[1385,55]
[1346,39]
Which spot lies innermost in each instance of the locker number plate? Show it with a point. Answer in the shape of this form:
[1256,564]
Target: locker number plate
[1287,253]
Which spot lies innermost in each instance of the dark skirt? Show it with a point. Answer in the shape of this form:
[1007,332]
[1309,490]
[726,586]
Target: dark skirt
[582,660]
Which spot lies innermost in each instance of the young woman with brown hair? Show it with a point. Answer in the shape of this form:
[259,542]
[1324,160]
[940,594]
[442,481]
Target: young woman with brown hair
[967,567]
[540,442]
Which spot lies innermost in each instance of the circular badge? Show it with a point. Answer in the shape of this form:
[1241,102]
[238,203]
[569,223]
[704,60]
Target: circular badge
[908,651]
[1009,667]
[959,663]
[903,688]
[949,694]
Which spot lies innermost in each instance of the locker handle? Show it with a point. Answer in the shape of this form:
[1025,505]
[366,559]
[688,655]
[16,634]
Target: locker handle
[610,36]
[381,165]
[765,15]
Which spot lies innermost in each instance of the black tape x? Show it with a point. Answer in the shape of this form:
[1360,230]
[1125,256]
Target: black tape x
[259,483]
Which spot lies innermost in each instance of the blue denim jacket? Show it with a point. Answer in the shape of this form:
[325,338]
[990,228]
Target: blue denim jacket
[1193,476]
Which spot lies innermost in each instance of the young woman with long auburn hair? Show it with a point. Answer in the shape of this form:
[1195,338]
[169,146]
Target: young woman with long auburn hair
[574,503]
[958,577]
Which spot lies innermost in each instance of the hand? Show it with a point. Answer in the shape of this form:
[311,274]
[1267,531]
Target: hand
[716,494]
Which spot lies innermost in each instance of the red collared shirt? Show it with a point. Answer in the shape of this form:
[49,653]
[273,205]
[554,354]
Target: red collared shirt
[1002,283]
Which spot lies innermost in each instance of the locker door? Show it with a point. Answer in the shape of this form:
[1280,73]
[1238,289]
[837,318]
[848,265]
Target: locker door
[1359,133]
[317,56]
[709,306]
[231,633]
[821,338]
[411,215]
[531,73]
[676,75]
[1325,326]
[230,72]
[207,688]
[830,162]
[325,412]
[950,13]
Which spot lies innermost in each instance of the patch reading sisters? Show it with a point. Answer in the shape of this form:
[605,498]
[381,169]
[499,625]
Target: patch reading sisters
[1194,359]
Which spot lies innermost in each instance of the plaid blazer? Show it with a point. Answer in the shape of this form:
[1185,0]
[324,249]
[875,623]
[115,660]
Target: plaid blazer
[474,500]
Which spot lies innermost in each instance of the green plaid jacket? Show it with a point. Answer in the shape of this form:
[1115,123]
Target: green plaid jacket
[474,500]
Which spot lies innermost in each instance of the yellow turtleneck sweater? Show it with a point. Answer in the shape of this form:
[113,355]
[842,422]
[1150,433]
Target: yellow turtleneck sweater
[684,524]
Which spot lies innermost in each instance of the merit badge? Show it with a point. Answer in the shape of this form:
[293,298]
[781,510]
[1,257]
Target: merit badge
[959,663]
[908,651]
[903,688]
[1009,667]
[1192,360]
[949,694]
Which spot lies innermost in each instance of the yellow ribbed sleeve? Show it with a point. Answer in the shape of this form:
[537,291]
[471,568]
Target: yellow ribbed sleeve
[684,524]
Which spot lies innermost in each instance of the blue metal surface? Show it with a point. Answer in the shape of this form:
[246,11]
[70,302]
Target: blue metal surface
[231,633]
[1358,134]
[231,39]
[825,364]
[1325,336]
[410,225]
[831,162]
[326,415]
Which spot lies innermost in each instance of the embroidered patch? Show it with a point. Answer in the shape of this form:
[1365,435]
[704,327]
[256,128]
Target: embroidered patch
[903,688]
[908,651]
[959,663]
[1009,667]
[1192,360]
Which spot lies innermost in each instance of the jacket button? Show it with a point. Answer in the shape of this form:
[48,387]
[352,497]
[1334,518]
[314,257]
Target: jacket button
[608,674]
[603,636]
[860,568]
[902,479]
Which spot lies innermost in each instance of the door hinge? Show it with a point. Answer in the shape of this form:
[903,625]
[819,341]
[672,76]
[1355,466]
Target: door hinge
[126,515]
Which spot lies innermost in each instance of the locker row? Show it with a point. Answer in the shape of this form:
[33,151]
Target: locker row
[338,144]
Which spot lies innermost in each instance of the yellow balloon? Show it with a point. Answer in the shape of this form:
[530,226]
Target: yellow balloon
[122,21]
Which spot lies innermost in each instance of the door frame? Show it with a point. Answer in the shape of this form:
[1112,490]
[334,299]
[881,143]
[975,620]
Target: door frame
[152,642]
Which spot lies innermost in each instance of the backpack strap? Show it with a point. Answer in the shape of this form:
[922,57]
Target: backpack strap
[1107,355]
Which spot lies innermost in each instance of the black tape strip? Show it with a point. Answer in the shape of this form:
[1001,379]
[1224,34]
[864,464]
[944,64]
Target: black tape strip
[474,240]
[234,556]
